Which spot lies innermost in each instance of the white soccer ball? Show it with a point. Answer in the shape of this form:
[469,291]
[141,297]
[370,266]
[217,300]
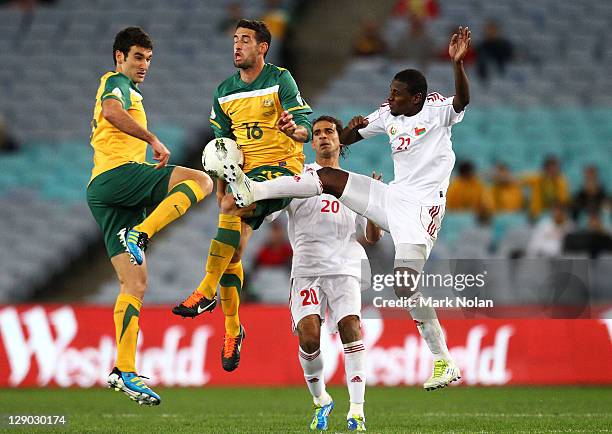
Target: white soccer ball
[218,152]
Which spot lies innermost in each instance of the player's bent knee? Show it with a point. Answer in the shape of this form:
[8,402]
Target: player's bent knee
[205,182]
[309,333]
[405,282]
[135,286]
[333,180]
[349,328]
[228,205]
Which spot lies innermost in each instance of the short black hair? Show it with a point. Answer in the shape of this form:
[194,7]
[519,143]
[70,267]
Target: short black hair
[344,149]
[262,33]
[129,37]
[414,80]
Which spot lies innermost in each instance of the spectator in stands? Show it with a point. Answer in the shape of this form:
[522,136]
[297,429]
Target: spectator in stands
[369,40]
[506,191]
[548,234]
[7,142]
[415,46]
[592,195]
[233,14]
[467,192]
[494,49]
[277,250]
[424,9]
[548,187]
[276,18]
[593,240]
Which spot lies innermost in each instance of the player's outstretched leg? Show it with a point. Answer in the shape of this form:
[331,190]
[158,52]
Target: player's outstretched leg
[241,185]
[299,186]
[188,187]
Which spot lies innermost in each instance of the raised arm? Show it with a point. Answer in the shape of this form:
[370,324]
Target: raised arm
[350,134]
[457,49]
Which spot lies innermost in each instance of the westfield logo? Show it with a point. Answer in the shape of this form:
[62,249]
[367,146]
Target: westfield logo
[42,342]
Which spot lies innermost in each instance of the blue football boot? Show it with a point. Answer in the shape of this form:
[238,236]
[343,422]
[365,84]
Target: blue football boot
[320,420]
[135,244]
[132,385]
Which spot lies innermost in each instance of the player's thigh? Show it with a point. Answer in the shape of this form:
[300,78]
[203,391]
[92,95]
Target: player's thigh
[414,224]
[130,185]
[182,174]
[343,296]
[132,279]
[111,219]
[267,207]
[367,197]
[305,299]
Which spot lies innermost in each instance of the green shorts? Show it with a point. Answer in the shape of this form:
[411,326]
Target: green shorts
[119,198]
[266,207]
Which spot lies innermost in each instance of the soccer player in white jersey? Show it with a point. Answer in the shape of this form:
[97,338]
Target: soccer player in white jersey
[326,275]
[412,206]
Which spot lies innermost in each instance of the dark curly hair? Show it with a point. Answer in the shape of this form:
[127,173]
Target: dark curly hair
[129,37]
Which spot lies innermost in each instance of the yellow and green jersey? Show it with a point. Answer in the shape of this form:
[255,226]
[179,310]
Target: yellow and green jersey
[248,113]
[112,147]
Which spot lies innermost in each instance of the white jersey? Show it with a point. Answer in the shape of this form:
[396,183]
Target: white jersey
[323,234]
[423,157]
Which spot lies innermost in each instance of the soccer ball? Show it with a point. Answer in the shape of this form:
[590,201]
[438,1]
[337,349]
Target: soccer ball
[219,151]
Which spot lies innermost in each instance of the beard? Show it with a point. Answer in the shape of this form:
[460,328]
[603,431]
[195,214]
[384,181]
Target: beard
[244,63]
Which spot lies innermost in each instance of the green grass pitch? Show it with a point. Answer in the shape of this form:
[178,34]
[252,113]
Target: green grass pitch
[288,410]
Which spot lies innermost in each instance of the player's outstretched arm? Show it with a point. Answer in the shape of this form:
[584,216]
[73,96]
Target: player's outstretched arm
[457,49]
[113,111]
[350,134]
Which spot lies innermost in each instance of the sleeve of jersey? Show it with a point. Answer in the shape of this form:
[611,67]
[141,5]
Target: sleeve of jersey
[444,109]
[117,87]
[219,121]
[375,126]
[292,101]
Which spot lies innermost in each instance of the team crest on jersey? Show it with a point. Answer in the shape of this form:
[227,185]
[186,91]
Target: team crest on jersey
[268,102]
[392,130]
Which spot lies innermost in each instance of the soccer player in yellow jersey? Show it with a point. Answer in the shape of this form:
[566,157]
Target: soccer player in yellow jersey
[123,186]
[261,108]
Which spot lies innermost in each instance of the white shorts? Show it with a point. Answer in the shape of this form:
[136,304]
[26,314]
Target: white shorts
[339,295]
[386,205]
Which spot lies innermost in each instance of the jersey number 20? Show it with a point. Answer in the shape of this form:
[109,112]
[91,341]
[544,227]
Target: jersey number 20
[309,296]
[330,206]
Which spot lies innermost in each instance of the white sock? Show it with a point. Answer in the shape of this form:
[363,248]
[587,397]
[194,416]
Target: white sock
[354,365]
[355,409]
[312,364]
[429,327]
[300,186]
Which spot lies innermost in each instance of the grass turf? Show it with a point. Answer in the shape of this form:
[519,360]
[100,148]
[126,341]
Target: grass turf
[287,410]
